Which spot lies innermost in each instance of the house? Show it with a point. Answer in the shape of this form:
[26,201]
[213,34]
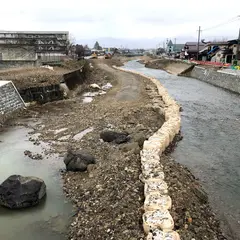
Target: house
[224,52]
[177,48]
[191,49]
[170,47]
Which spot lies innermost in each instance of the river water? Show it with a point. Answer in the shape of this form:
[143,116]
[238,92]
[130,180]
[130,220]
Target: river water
[50,219]
[211,141]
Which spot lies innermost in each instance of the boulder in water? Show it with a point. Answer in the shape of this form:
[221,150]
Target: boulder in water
[21,192]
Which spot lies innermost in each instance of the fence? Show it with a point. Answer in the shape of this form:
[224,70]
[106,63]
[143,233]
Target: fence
[208,63]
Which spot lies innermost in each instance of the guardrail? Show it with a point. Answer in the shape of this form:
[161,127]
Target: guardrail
[208,63]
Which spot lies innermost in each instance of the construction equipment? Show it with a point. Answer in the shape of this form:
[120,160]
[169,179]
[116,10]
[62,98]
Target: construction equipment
[94,55]
[110,55]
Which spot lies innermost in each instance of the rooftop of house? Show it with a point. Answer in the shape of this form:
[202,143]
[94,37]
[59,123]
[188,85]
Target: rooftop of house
[193,46]
[178,47]
[170,44]
[217,43]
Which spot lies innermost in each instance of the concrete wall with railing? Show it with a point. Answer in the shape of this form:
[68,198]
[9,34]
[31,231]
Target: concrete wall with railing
[220,78]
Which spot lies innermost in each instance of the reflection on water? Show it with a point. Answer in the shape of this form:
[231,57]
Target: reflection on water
[48,220]
[211,143]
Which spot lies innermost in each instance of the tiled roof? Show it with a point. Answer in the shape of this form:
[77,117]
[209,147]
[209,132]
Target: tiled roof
[193,46]
[170,44]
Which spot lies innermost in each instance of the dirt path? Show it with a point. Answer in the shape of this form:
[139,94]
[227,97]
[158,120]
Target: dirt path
[128,86]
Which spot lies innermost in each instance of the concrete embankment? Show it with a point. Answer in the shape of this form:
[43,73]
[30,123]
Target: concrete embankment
[229,81]
[171,66]
[157,221]
[219,78]
[10,100]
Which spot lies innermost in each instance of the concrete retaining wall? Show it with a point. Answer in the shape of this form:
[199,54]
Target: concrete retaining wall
[157,221]
[18,63]
[42,94]
[172,66]
[217,78]
[10,99]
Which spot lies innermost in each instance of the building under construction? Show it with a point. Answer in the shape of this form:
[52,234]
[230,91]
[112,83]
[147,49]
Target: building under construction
[21,48]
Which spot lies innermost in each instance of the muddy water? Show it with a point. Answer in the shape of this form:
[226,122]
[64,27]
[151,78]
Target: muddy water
[211,143]
[50,219]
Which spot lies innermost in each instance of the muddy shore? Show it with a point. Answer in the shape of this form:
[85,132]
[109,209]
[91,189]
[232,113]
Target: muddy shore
[109,196]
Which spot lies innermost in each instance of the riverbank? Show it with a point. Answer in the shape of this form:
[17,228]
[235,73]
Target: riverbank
[109,196]
[229,80]
[169,65]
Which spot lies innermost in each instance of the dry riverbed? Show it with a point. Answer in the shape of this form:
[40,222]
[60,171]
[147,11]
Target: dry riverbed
[109,197]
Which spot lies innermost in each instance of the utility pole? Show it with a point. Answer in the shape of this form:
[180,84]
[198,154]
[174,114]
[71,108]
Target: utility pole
[199,32]
[175,40]
[238,48]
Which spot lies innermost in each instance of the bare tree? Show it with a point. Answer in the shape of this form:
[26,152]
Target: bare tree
[86,47]
[71,45]
[80,51]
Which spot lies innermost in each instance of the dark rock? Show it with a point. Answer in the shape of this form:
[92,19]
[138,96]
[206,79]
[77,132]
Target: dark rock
[21,192]
[117,137]
[78,160]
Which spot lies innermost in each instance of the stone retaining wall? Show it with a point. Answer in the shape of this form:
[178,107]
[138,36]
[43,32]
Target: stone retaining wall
[10,99]
[158,224]
[228,81]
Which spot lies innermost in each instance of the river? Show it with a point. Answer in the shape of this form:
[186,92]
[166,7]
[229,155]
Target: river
[211,141]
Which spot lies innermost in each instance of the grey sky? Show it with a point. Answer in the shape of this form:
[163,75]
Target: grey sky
[149,21]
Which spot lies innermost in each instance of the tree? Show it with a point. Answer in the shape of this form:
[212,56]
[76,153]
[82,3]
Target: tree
[70,45]
[80,51]
[97,46]
[86,47]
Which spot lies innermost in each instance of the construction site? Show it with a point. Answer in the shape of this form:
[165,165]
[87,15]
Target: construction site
[99,135]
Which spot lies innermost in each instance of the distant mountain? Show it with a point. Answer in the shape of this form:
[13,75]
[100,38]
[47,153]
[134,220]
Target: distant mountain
[132,43]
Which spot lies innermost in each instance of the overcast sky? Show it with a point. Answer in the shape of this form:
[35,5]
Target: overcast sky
[145,22]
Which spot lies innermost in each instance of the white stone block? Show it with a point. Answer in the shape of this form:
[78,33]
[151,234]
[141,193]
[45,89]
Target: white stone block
[156,201]
[157,234]
[155,185]
[155,173]
[151,145]
[157,219]
[149,166]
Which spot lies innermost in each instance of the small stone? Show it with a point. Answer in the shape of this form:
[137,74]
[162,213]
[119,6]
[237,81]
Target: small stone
[139,138]
[131,147]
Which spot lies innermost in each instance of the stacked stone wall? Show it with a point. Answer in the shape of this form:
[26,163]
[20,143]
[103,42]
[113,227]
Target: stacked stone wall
[157,220]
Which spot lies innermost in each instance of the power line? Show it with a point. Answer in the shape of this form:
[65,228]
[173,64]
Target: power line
[224,23]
